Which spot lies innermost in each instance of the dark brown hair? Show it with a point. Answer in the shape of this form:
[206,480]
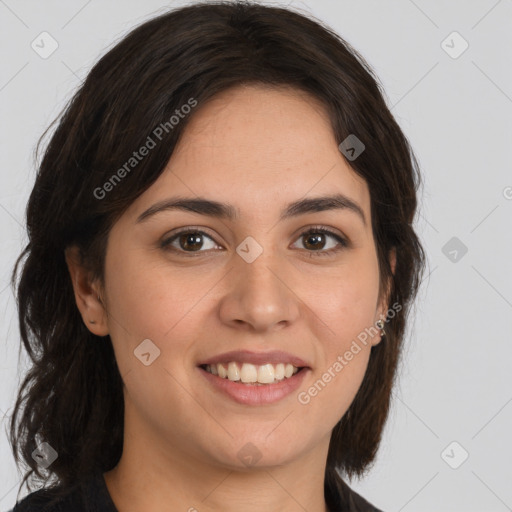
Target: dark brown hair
[72,395]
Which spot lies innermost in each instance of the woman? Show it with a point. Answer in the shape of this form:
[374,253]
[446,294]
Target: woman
[220,264]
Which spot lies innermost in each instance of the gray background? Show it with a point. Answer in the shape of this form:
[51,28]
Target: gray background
[455,383]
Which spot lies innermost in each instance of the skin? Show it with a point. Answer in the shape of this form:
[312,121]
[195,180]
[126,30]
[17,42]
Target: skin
[258,149]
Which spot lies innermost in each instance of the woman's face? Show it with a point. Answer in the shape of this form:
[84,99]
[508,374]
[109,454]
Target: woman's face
[251,282]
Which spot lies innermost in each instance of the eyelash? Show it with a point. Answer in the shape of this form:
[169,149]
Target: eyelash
[343,243]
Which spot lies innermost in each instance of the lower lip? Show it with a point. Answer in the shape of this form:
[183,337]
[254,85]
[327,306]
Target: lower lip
[256,395]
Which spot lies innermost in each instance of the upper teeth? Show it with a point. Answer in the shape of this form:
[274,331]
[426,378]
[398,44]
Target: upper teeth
[247,372]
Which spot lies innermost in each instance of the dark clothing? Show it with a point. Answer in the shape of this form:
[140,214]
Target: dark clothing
[92,496]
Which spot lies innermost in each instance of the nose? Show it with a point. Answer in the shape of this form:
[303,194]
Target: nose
[259,296]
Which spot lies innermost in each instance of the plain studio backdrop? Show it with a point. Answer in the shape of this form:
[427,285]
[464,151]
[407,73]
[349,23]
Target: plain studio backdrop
[446,68]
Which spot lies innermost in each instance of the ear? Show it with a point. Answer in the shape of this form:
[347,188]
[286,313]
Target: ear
[383,306]
[87,294]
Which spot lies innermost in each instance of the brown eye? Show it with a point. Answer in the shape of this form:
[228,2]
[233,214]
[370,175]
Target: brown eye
[188,241]
[315,240]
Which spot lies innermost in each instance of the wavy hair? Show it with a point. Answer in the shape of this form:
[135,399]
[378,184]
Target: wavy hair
[72,394]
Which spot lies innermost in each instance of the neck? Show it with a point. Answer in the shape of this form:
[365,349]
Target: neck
[157,476]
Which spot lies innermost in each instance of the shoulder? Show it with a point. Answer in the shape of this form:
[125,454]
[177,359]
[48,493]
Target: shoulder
[359,504]
[89,495]
[341,498]
[45,500]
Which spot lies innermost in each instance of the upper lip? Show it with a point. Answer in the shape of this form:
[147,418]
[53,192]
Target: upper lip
[256,358]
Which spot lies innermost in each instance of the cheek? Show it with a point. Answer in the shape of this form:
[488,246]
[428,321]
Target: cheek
[349,314]
[346,303]
[345,306]
[330,393]
[146,301]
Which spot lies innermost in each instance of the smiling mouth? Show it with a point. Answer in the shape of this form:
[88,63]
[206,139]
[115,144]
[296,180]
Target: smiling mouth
[250,374]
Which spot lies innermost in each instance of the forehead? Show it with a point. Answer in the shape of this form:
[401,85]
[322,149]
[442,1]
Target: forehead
[258,147]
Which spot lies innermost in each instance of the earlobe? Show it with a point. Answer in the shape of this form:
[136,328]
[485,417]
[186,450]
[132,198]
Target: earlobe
[87,296]
[380,325]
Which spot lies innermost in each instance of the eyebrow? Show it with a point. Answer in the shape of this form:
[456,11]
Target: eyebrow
[221,210]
